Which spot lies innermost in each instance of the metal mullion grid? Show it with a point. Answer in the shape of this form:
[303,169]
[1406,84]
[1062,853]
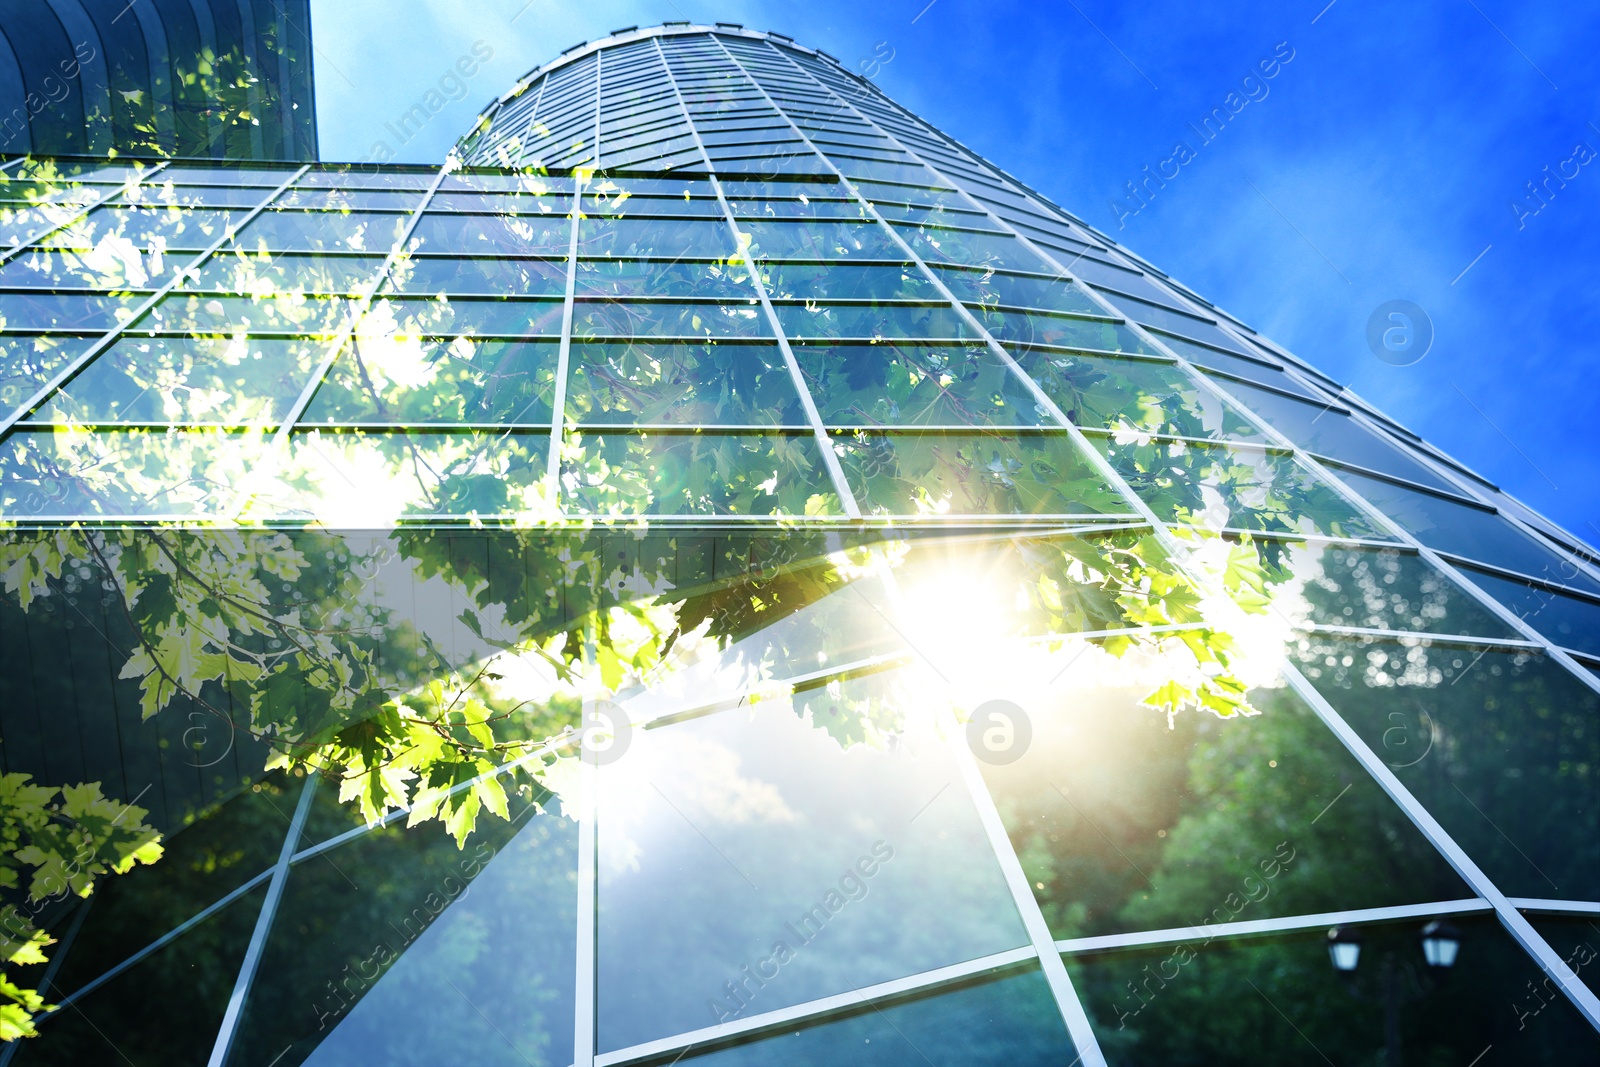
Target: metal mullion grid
[784,1020]
[599,58]
[830,459]
[263,927]
[341,338]
[68,372]
[1284,924]
[1068,1003]
[1587,1003]
[1302,456]
[110,194]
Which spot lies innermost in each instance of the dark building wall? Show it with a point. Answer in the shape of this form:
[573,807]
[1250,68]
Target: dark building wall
[221,79]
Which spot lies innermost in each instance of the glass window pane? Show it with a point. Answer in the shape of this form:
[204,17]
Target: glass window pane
[1215,486]
[691,384]
[1237,367]
[124,473]
[26,363]
[914,384]
[1127,821]
[351,199]
[820,240]
[401,947]
[166,1008]
[990,250]
[664,238]
[845,281]
[65,311]
[223,380]
[479,275]
[505,235]
[1568,621]
[619,320]
[851,210]
[721,835]
[728,280]
[1321,429]
[991,288]
[735,188]
[501,203]
[930,322]
[316,231]
[362,479]
[164,227]
[1468,531]
[946,474]
[111,264]
[1278,999]
[288,271]
[1103,392]
[216,853]
[409,379]
[654,206]
[1059,331]
[1011,1022]
[1499,746]
[462,315]
[286,312]
[909,173]
[1373,588]
[695,474]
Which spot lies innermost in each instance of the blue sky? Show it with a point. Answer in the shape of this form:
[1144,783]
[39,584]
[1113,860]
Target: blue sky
[1382,162]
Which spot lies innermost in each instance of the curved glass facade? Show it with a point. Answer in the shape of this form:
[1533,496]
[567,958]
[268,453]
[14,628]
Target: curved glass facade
[719,572]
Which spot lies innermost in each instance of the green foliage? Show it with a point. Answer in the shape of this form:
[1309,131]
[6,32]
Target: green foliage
[55,843]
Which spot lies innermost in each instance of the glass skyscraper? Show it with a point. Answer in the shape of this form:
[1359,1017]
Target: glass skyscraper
[717,572]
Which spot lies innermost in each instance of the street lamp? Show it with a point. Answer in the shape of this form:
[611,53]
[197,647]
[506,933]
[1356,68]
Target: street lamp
[1344,948]
[1440,943]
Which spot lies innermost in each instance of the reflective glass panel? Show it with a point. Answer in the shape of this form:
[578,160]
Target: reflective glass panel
[403,947]
[492,235]
[223,380]
[1217,486]
[288,271]
[1468,531]
[358,479]
[1500,746]
[721,280]
[1279,1000]
[691,384]
[165,1008]
[26,363]
[622,320]
[1125,821]
[409,379]
[480,275]
[728,836]
[1059,331]
[913,384]
[993,288]
[623,473]
[857,321]
[1102,392]
[284,312]
[463,315]
[845,281]
[315,231]
[974,249]
[938,474]
[65,311]
[820,240]
[1568,621]
[124,473]
[665,238]
[1010,1022]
